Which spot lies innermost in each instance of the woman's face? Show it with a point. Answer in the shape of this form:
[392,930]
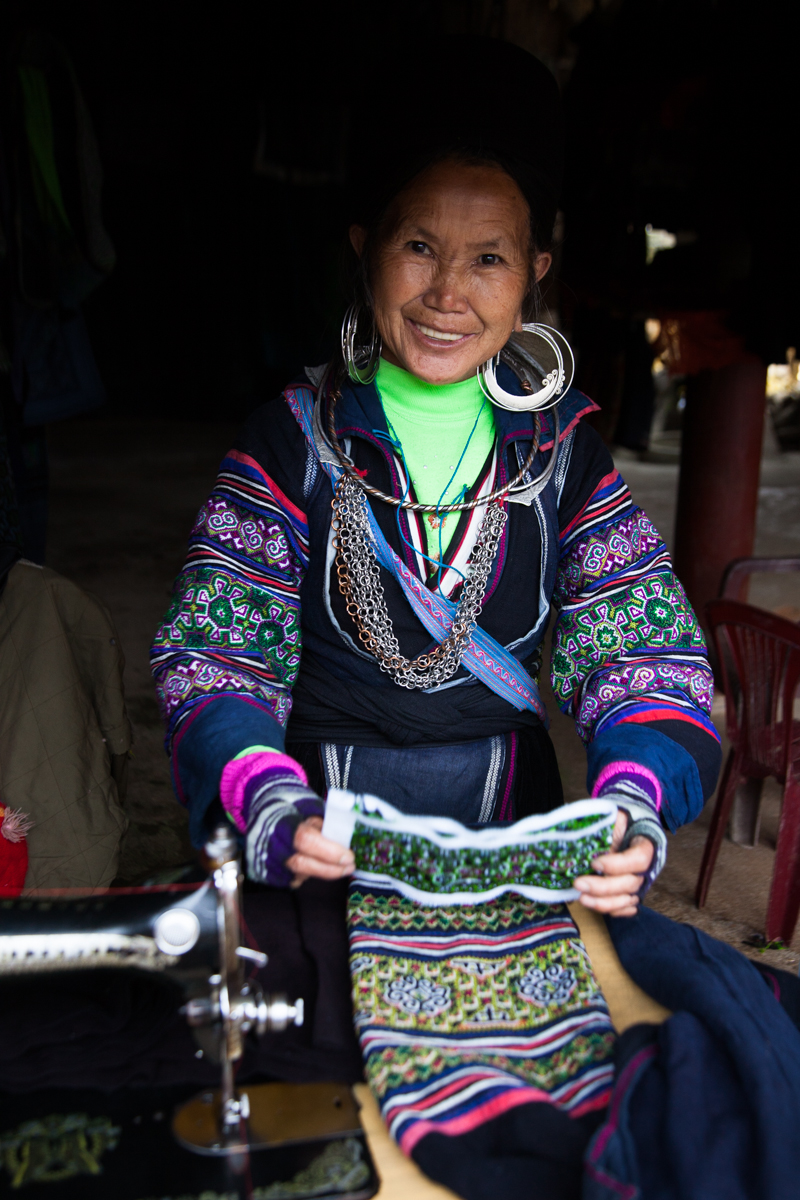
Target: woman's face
[451,275]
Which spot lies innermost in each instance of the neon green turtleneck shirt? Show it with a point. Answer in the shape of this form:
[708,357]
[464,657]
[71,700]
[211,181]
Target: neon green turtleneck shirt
[433,423]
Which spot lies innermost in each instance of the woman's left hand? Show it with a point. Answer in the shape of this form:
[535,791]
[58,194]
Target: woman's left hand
[616,890]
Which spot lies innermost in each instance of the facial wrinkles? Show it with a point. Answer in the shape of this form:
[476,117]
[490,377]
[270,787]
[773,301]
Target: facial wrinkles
[452,280]
[441,307]
[448,290]
[457,284]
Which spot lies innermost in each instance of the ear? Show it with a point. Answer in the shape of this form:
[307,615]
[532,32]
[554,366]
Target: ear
[358,235]
[541,265]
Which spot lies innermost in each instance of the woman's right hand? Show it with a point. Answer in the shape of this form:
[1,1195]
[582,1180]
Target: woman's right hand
[317,857]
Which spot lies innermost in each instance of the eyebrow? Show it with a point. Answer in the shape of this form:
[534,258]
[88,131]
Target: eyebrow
[493,243]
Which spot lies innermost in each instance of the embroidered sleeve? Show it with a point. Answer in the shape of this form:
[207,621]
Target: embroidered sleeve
[233,627]
[626,646]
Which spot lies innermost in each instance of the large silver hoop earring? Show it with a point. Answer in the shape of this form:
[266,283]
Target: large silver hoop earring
[541,358]
[361,360]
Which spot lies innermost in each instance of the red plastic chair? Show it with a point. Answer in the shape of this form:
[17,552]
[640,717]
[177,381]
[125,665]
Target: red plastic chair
[738,571]
[759,658]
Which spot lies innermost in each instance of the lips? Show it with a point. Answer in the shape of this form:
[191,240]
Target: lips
[443,336]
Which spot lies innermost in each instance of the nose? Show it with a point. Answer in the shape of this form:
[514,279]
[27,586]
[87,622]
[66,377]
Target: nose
[447,293]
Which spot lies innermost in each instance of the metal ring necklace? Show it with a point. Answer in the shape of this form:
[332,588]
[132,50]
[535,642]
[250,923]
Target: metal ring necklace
[516,484]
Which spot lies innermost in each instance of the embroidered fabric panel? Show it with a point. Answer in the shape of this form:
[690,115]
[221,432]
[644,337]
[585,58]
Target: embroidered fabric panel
[439,861]
[233,626]
[422,865]
[626,645]
[464,1013]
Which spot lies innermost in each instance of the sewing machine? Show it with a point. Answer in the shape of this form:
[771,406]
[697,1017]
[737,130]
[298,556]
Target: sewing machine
[194,933]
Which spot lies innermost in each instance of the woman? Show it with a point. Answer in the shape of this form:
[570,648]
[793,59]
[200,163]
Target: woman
[290,660]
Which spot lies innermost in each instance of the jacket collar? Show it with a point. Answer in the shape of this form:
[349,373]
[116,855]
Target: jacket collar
[360,413]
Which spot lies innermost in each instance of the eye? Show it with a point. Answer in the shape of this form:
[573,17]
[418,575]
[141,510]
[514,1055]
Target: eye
[418,247]
[490,260]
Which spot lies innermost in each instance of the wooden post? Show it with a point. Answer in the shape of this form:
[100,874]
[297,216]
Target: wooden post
[720,463]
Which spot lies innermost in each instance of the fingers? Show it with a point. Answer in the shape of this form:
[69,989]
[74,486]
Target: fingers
[304,865]
[614,885]
[616,890]
[635,860]
[615,906]
[309,843]
[317,856]
[620,828]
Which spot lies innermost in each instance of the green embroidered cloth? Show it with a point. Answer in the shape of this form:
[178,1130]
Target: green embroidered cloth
[438,861]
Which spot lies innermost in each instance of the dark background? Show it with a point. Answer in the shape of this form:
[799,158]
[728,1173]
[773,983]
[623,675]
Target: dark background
[224,135]
[681,114]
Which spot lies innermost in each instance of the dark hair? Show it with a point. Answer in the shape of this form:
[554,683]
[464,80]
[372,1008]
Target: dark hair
[373,217]
[507,114]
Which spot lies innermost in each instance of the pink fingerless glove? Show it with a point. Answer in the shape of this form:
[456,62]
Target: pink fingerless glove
[266,795]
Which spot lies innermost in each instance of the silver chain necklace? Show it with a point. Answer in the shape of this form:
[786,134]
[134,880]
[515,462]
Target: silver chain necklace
[506,489]
[360,584]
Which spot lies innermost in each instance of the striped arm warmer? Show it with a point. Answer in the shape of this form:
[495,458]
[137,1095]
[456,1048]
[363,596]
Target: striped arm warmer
[267,796]
[636,789]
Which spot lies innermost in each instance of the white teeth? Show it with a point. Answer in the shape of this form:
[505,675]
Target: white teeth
[438,335]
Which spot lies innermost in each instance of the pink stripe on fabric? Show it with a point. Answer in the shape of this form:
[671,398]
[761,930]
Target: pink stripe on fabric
[627,768]
[476,1116]
[605,482]
[505,807]
[667,714]
[237,774]
[626,1190]
[599,1101]
[493,1108]
[622,1084]
[452,1089]
[590,407]
[279,495]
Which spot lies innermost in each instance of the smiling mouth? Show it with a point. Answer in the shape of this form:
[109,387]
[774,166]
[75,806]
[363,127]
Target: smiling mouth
[439,335]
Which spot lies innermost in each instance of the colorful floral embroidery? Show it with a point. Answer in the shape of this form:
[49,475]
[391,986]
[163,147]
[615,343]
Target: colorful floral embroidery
[606,551]
[415,994]
[448,996]
[211,610]
[548,985]
[419,863]
[233,626]
[386,912]
[463,1013]
[625,633]
[398,1066]
[196,680]
[439,861]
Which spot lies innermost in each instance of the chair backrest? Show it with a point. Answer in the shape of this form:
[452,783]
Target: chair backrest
[741,569]
[759,657]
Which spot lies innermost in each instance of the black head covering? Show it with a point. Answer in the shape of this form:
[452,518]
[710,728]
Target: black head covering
[472,96]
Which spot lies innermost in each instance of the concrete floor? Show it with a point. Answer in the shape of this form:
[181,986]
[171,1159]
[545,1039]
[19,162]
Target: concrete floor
[124,497]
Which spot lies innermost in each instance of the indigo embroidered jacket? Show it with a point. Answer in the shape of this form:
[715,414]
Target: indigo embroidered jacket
[257,636]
